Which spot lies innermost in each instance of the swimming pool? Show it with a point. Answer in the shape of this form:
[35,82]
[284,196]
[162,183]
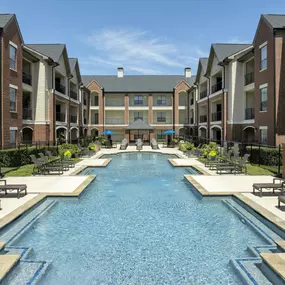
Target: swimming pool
[139,222]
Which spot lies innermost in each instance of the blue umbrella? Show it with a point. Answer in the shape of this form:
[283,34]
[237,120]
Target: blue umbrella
[108,132]
[169,132]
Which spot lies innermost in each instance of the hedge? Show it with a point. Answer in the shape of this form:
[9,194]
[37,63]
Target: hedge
[19,157]
[266,155]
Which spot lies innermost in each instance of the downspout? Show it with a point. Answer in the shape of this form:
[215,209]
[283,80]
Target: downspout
[196,109]
[68,125]
[208,111]
[225,106]
[103,96]
[274,89]
[173,110]
[1,91]
[53,98]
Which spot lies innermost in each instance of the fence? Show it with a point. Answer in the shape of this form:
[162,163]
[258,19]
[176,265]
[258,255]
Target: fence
[266,156]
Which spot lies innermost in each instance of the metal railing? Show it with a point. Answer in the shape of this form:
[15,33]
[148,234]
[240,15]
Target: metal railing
[217,87]
[203,94]
[114,121]
[158,103]
[26,78]
[73,95]
[162,120]
[27,114]
[217,116]
[203,118]
[248,78]
[73,118]
[59,87]
[114,104]
[138,103]
[184,121]
[60,117]
[249,113]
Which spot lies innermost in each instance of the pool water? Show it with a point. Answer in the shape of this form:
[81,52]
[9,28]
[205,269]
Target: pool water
[139,222]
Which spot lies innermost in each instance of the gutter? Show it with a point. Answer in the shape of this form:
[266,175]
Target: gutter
[274,88]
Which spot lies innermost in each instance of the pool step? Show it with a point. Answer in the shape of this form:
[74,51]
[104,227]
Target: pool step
[7,263]
[24,223]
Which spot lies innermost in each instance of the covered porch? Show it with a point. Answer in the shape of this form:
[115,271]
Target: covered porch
[139,130]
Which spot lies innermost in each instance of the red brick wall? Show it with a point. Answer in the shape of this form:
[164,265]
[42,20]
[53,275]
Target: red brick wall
[95,87]
[10,119]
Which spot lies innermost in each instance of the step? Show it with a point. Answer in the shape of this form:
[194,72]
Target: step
[276,261]
[7,262]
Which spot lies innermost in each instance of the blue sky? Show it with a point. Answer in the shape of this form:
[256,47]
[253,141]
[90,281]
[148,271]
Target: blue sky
[143,36]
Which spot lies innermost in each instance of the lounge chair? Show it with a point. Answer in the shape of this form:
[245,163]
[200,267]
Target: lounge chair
[53,163]
[66,160]
[154,144]
[227,159]
[44,168]
[139,144]
[13,187]
[51,157]
[281,199]
[274,186]
[124,144]
[235,166]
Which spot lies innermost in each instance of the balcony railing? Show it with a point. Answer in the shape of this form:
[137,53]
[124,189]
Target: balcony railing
[27,114]
[26,78]
[158,103]
[138,103]
[162,120]
[248,78]
[73,95]
[217,116]
[59,87]
[203,118]
[114,121]
[95,121]
[184,121]
[73,118]
[60,117]
[114,104]
[217,87]
[203,94]
[249,113]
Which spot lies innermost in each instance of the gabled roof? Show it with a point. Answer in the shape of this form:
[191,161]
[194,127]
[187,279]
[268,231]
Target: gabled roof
[5,19]
[74,67]
[72,63]
[53,51]
[137,83]
[276,21]
[202,67]
[222,51]
[139,125]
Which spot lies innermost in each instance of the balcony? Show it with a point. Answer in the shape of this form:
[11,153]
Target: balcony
[114,121]
[249,113]
[163,120]
[217,116]
[248,78]
[191,121]
[217,87]
[60,117]
[203,118]
[27,114]
[138,103]
[59,87]
[114,104]
[73,119]
[73,94]
[184,121]
[26,78]
[162,103]
[203,94]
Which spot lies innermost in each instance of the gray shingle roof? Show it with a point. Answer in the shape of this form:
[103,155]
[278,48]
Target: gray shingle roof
[4,19]
[53,51]
[204,62]
[137,83]
[276,21]
[139,125]
[224,50]
[72,63]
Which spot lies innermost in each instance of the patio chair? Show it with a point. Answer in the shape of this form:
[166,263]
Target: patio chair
[154,144]
[50,156]
[43,168]
[13,187]
[53,163]
[278,184]
[66,160]
[235,165]
[124,144]
[220,160]
[281,199]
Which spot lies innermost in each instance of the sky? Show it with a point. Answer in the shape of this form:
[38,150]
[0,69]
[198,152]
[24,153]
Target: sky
[142,36]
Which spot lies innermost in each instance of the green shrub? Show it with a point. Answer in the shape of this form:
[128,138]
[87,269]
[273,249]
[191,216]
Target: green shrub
[266,155]
[73,148]
[67,153]
[102,140]
[208,148]
[183,146]
[19,157]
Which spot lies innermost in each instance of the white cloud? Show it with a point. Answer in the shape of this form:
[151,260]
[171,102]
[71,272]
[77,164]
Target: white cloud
[138,51]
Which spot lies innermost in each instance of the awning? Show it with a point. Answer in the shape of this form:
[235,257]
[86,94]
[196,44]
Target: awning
[139,125]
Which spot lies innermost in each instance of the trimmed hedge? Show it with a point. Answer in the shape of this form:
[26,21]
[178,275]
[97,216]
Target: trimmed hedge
[266,156]
[18,157]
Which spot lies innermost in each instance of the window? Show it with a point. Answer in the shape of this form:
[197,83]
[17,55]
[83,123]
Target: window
[161,100]
[13,135]
[13,95]
[138,115]
[161,117]
[263,136]
[138,100]
[13,57]
[263,99]
[96,101]
[160,136]
[263,57]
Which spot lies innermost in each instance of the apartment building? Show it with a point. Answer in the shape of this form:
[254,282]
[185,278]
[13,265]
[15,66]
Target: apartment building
[159,101]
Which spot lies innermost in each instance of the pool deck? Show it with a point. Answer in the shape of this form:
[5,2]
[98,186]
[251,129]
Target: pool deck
[210,184]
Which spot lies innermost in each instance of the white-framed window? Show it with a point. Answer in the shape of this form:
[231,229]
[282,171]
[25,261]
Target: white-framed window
[138,100]
[161,117]
[13,99]
[263,99]
[263,135]
[263,57]
[138,115]
[13,136]
[13,57]
[161,100]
